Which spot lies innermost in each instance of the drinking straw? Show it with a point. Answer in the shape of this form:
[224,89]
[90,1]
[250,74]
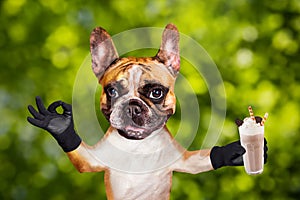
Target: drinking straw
[251,113]
[264,119]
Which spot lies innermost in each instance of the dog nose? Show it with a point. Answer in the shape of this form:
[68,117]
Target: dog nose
[136,111]
[133,111]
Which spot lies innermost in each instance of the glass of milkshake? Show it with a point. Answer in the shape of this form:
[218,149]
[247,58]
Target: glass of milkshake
[252,139]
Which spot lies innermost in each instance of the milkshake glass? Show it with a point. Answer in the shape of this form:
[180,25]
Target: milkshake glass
[252,139]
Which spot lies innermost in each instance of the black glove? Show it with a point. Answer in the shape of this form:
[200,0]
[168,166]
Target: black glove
[229,155]
[60,126]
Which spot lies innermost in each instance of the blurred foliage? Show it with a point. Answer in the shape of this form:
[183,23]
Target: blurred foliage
[255,45]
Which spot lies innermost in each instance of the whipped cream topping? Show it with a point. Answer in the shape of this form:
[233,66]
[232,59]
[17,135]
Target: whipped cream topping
[251,127]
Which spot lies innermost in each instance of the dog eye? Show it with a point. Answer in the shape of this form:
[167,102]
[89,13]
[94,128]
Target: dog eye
[156,93]
[112,92]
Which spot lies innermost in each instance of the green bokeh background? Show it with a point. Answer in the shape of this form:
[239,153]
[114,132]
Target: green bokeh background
[255,45]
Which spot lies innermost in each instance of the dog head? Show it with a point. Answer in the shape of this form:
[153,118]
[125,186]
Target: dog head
[138,93]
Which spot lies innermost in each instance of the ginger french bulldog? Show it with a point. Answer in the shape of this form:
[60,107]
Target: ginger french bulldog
[138,154]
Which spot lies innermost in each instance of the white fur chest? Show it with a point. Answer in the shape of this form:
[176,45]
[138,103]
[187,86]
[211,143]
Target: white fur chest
[139,169]
[155,185]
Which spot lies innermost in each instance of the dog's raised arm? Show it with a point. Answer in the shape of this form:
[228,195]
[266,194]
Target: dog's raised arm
[84,160]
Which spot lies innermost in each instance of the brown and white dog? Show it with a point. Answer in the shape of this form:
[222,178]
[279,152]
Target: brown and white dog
[137,153]
[137,99]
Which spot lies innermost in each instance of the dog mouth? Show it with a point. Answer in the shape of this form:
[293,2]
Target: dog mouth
[138,133]
[133,134]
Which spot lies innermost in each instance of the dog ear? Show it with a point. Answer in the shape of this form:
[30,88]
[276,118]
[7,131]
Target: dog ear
[103,51]
[168,53]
